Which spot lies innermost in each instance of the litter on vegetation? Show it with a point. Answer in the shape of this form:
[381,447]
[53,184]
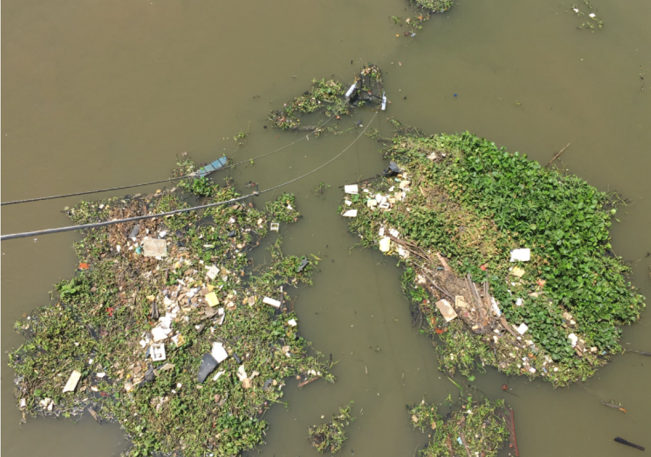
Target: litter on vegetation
[335,100]
[446,310]
[73,380]
[157,352]
[143,336]
[272,302]
[154,247]
[456,211]
[521,255]
[472,428]
[330,437]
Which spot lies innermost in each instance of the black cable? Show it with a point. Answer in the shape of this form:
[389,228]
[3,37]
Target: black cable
[130,186]
[178,211]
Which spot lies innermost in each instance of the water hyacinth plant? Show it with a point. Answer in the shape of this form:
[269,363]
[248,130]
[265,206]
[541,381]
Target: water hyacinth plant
[453,216]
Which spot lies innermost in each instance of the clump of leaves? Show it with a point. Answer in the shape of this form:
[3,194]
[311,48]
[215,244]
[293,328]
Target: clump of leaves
[472,428]
[102,327]
[283,209]
[472,203]
[423,9]
[434,6]
[593,22]
[330,437]
[328,98]
[321,188]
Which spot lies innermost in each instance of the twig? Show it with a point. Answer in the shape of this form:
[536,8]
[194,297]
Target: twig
[463,441]
[361,181]
[558,154]
[506,326]
[305,383]
[446,267]
[515,441]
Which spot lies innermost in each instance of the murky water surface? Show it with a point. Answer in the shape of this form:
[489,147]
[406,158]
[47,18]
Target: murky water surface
[99,94]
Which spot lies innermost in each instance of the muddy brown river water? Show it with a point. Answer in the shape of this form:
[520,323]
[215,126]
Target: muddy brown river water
[98,94]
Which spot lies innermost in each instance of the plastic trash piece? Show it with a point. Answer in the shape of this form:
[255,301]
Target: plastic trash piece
[522,255]
[385,244]
[160,333]
[460,302]
[167,366]
[211,167]
[212,299]
[496,308]
[241,373]
[517,272]
[157,352]
[178,339]
[275,226]
[271,301]
[208,364]
[350,213]
[393,169]
[522,328]
[446,310]
[71,385]
[628,443]
[134,232]
[292,322]
[350,90]
[149,374]
[219,373]
[83,266]
[212,273]
[154,247]
[384,101]
[573,339]
[302,266]
[218,352]
[351,189]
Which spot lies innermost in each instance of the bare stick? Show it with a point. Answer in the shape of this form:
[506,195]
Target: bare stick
[515,441]
[305,383]
[558,154]
[443,262]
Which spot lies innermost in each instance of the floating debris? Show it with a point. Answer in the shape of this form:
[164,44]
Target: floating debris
[330,437]
[457,214]
[422,9]
[143,335]
[331,99]
[472,428]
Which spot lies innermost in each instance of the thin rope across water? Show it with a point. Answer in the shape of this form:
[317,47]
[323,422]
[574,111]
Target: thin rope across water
[183,210]
[168,180]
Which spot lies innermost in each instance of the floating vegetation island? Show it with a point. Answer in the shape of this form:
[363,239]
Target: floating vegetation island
[508,262]
[330,436]
[332,98]
[167,328]
[471,428]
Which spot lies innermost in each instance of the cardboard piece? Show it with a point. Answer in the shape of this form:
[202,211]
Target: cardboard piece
[446,310]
